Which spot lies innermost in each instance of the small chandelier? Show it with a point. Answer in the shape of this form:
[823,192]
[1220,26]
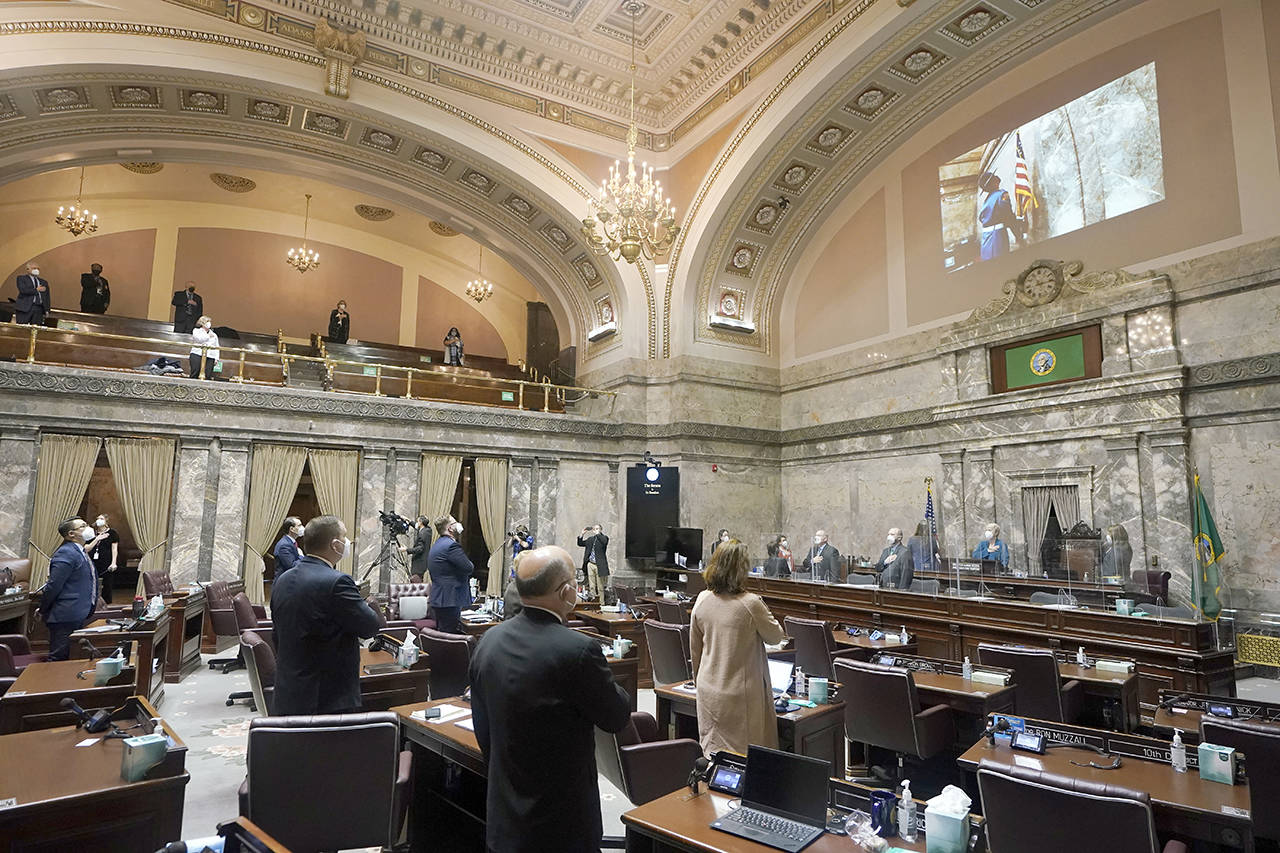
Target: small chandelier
[479,288]
[302,258]
[76,219]
[632,215]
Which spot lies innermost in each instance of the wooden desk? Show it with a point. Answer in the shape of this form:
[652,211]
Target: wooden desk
[1182,803]
[965,696]
[184,634]
[1008,586]
[681,822]
[69,798]
[35,700]
[887,643]
[1118,687]
[383,690]
[626,669]
[817,732]
[447,812]
[14,613]
[477,629]
[1187,719]
[618,624]
[151,649]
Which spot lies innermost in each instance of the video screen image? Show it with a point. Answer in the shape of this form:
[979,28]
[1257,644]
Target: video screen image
[1087,161]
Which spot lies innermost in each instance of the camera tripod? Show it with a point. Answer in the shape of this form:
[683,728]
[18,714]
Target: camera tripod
[389,555]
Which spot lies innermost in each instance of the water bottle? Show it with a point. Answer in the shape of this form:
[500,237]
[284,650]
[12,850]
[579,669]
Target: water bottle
[1080,657]
[906,813]
[1178,753]
[903,637]
[800,685]
[966,669]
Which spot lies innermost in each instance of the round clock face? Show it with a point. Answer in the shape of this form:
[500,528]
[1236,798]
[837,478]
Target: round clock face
[1040,285]
[729,305]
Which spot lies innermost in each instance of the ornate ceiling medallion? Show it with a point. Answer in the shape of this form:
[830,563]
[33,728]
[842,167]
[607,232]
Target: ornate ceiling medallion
[872,102]
[556,236]
[521,208]
[380,140]
[63,98]
[7,108]
[233,183]
[201,101]
[830,140]
[432,159]
[374,213]
[268,111]
[324,123]
[143,168]
[743,258]
[442,229]
[796,176]
[478,181]
[135,97]
[918,64]
[766,217]
[978,23]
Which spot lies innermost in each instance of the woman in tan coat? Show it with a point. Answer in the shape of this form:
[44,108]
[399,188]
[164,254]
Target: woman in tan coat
[728,630]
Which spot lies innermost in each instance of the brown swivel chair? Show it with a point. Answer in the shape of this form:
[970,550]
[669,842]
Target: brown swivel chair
[1030,809]
[260,661]
[816,648]
[672,612]
[395,591]
[1038,692]
[17,649]
[695,584]
[157,583]
[222,618]
[1260,743]
[290,792]
[1149,586]
[626,594]
[881,709]
[668,651]
[246,620]
[641,765]
[449,656]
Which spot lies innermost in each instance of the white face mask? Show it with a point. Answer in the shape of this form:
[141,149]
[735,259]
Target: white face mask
[102,522]
[991,535]
[724,538]
[35,273]
[457,530]
[817,540]
[891,539]
[346,549]
[87,534]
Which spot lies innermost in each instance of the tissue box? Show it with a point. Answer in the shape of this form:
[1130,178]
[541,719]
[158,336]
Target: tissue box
[141,754]
[945,833]
[987,677]
[1217,763]
[1104,665]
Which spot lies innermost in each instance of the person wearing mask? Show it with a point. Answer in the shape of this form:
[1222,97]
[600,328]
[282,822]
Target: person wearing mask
[728,629]
[34,298]
[721,538]
[339,323]
[823,559]
[450,575]
[188,307]
[287,552]
[539,690]
[777,566]
[521,541]
[204,343]
[453,347]
[104,553]
[420,550]
[71,593]
[595,560]
[319,619]
[926,551]
[895,565]
[95,293]
[992,547]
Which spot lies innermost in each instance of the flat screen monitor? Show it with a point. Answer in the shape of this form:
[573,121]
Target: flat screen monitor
[682,542]
[653,504]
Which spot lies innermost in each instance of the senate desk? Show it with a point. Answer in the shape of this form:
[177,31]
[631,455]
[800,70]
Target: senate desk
[151,647]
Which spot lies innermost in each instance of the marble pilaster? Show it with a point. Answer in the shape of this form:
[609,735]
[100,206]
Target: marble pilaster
[520,495]
[195,500]
[1118,494]
[950,496]
[545,498]
[1168,527]
[973,374]
[1150,337]
[405,483]
[979,493]
[372,497]
[1115,346]
[18,454]
[231,457]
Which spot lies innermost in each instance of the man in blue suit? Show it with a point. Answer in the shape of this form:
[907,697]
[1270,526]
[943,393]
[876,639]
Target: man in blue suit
[33,297]
[71,593]
[450,571]
[287,552]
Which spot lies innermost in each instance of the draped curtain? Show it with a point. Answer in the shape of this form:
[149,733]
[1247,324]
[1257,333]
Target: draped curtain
[1066,503]
[1036,501]
[143,472]
[438,485]
[334,473]
[63,470]
[273,481]
[491,500]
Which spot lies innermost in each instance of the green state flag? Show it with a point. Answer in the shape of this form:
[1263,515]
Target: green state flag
[1048,361]
[1209,550]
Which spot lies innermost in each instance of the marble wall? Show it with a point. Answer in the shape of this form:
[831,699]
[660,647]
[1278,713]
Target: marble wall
[18,452]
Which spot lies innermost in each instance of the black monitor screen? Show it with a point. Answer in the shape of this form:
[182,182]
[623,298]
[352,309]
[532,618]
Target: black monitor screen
[653,504]
[684,541]
[783,781]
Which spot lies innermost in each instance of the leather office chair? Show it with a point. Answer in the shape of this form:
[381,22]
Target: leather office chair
[395,591]
[449,656]
[289,789]
[962,593]
[222,618]
[668,651]
[1058,599]
[260,661]
[157,583]
[881,709]
[626,594]
[862,580]
[17,649]
[816,647]
[694,584]
[1030,809]
[928,587]
[246,620]
[672,612]
[1038,690]
[1149,586]
[1260,744]
[642,766]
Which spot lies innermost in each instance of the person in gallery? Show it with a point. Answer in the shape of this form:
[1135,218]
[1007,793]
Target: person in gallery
[453,347]
[339,323]
[33,297]
[95,293]
[204,343]
[104,553]
[996,217]
[595,561]
[188,307]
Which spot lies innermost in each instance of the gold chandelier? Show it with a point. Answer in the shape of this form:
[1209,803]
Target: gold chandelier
[479,288]
[302,258]
[76,219]
[632,216]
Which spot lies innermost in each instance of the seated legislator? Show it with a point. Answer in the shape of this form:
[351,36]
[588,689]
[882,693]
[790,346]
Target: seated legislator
[895,564]
[728,630]
[823,559]
[992,547]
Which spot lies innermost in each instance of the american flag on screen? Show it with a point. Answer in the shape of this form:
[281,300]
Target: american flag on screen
[1022,181]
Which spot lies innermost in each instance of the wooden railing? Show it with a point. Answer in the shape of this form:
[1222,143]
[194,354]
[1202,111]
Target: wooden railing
[103,350]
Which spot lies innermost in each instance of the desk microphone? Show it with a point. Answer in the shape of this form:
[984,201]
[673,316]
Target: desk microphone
[91,650]
[1000,725]
[701,770]
[98,721]
[1170,701]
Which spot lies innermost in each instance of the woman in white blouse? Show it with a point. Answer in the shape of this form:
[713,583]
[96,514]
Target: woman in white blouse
[204,341]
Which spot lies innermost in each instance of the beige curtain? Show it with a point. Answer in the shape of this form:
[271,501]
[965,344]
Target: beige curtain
[1066,502]
[491,500]
[438,485]
[1036,501]
[62,477]
[335,473]
[273,481]
[143,471]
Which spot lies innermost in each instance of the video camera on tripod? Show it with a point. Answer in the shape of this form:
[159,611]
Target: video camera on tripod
[394,521]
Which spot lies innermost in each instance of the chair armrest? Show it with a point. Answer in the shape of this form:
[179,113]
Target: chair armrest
[260,611]
[849,653]
[403,793]
[651,770]
[243,795]
[646,726]
[1072,701]
[17,643]
[936,729]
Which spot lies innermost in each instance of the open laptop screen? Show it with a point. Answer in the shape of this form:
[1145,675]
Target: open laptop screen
[794,785]
[780,675]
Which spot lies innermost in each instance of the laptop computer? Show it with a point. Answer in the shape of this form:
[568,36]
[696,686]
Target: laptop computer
[780,675]
[784,800]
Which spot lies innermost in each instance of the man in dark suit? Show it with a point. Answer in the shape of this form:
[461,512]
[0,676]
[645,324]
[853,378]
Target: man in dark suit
[538,691]
[95,293]
[823,559]
[450,572]
[71,593]
[319,619]
[896,565]
[287,552]
[33,297]
[188,307]
[595,561]
[420,550]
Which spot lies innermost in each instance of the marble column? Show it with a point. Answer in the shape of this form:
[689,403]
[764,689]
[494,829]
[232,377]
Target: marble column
[195,502]
[18,454]
[542,506]
[520,496]
[951,502]
[1115,346]
[948,390]
[374,465]
[405,480]
[231,459]
[1119,494]
[979,493]
[973,374]
[1169,526]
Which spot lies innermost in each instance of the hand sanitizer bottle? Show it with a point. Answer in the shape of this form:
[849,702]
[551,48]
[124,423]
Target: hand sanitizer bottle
[1080,657]
[966,669]
[800,685]
[903,637]
[906,813]
[1178,753]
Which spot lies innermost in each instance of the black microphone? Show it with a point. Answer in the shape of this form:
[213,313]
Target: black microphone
[701,768]
[1000,725]
[98,721]
[1170,701]
[90,649]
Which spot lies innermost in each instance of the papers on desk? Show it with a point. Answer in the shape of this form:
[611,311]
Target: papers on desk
[98,629]
[89,741]
[468,724]
[610,608]
[448,714]
[684,688]
[478,617]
